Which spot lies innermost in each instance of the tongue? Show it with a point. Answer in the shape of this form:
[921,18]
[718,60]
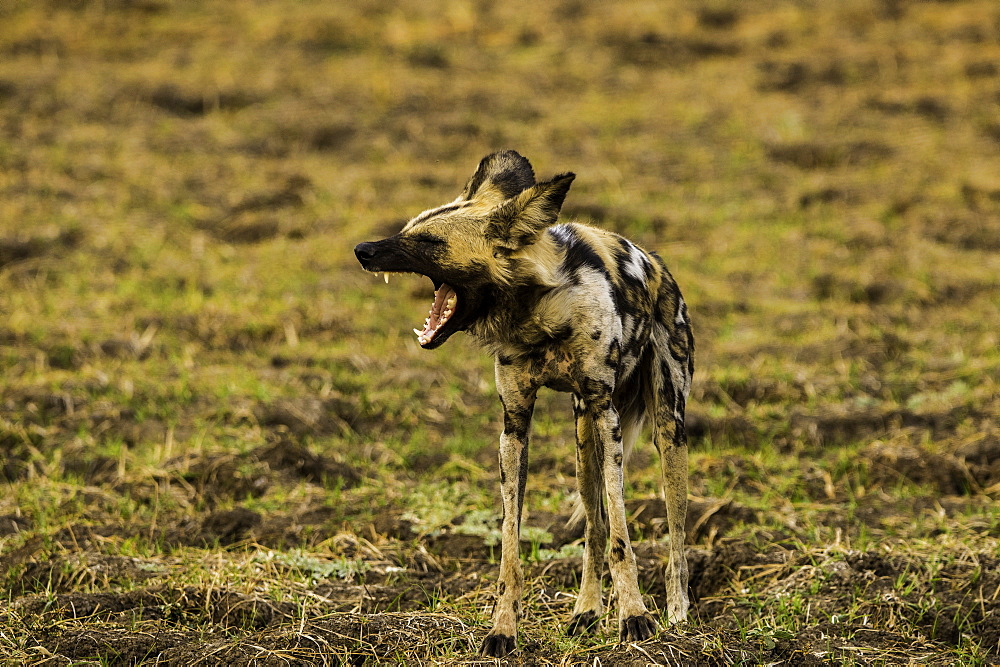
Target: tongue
[445,300]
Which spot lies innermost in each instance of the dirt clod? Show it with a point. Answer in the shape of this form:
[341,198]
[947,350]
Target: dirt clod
[11,524]
[892,462]
[228,526]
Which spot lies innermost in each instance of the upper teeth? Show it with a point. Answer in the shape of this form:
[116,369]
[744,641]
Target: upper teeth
[385,274]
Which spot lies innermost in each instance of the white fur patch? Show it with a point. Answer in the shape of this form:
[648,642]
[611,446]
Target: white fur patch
[561,234]
[636,264]
[680,311]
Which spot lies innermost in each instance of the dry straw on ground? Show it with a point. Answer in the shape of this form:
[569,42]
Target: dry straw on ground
[218,444]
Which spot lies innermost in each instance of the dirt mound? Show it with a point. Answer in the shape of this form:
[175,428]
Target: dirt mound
[225,476]
[411,590]
[706,518]
[972,468]
[189,102]
[982,457]
[735,429]
[936,601]
[228,526]
[116,645]
[221,607]
[11,524]
[292,458]
[140,626]
[82,569]
[834,644]
[310,416]
[892,462]
[845,425]
[50,242]
[808,156]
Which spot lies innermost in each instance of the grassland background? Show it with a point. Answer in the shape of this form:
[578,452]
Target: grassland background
[219,443]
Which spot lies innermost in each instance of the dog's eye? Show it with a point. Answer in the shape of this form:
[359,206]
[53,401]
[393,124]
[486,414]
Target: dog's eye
[429,239]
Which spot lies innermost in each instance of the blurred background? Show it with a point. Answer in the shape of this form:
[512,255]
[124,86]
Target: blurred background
[191,359]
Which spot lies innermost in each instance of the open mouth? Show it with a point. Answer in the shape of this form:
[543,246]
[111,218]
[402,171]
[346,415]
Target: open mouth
[445,302]
[443,309]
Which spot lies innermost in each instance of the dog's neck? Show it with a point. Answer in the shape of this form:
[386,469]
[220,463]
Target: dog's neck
[512,323]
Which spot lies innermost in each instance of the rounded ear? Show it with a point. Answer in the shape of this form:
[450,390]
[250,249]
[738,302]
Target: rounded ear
[517,221]
[500,176]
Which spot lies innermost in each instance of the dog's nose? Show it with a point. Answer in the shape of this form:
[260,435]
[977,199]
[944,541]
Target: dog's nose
[365,252]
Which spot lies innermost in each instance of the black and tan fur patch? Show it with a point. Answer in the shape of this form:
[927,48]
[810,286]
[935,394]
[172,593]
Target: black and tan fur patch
[572,308]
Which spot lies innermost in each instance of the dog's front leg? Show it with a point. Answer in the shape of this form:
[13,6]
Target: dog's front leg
[635,622]
[518,397]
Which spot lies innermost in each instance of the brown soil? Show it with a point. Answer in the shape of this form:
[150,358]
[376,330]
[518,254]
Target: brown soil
[157,149]
[381,615]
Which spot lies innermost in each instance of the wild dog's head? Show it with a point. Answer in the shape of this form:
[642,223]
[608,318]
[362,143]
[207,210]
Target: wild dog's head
[471,247]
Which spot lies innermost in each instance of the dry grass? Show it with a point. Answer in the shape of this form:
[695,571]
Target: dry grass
[219,443]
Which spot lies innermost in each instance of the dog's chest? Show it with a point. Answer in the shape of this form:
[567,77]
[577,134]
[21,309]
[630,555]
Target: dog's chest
[557,367]
[559,372]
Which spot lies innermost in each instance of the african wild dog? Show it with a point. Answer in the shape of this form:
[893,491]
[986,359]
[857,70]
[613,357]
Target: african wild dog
[575,309]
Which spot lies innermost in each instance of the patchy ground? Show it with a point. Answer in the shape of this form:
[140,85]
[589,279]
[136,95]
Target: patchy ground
[219,444]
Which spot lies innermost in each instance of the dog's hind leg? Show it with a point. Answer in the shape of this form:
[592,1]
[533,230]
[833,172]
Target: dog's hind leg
[674,465]
[670,382]
[635,622]
[590,481]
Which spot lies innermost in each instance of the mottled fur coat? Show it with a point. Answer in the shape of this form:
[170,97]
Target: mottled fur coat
[575,309]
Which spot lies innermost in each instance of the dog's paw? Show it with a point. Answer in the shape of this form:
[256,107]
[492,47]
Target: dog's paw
[637,628]
[584,623]
[497,645]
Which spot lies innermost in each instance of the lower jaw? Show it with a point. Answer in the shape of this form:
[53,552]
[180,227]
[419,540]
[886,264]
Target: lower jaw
[444,334]
[435,342]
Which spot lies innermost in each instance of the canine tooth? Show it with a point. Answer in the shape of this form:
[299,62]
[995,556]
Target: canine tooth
[418,332]
[386,278]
